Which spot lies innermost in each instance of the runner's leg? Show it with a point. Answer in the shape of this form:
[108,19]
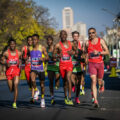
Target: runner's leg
[51,76]
[16,81]
[33,80]
[10,85]
[93,86]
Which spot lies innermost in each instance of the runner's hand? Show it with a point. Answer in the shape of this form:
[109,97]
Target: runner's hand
[96,52]
[42,59]
[8,64]
[70,52]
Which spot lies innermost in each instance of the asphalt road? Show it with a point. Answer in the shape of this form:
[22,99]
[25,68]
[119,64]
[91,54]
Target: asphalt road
[109,103]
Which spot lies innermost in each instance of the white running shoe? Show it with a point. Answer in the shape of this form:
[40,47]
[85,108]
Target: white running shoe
[36,95]
[42,103]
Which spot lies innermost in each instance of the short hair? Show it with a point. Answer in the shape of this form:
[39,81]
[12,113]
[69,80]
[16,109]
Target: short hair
[62,31]
[50,37]
[29,37]
[75,32]
[11,40]
[35,35]
[92,28]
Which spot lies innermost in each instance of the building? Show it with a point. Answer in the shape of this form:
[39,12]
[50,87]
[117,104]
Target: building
[69,26]
[67,14]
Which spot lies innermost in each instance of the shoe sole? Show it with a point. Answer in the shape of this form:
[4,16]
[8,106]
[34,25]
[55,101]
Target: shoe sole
[96,105]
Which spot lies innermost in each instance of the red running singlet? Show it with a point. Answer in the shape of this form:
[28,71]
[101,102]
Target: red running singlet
[66,60]
[13,70]
[91,48]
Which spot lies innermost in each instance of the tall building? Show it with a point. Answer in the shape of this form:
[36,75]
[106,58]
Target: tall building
[67,14]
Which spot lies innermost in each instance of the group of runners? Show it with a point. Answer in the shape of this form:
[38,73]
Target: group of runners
[66,59]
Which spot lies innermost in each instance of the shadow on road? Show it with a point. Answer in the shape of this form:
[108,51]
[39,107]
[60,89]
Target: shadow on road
[94,118]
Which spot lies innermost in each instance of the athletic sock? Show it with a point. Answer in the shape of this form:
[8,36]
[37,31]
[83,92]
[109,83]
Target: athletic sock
[81,87]
[36,89]
[42,96]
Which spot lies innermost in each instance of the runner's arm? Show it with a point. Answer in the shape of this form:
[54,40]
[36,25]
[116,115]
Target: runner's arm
[105,48]
[57,52]
[20,57]
[44,51]
[86,51]
[71,52]
[4,58]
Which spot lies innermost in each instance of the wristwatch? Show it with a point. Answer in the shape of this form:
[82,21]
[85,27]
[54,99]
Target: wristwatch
[99,53]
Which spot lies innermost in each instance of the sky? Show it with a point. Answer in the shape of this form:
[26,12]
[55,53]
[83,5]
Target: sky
[86,11]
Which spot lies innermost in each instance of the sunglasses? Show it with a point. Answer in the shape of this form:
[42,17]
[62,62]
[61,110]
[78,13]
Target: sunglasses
[91,33]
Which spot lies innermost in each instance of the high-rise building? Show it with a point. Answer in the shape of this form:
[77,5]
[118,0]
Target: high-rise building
[67,14]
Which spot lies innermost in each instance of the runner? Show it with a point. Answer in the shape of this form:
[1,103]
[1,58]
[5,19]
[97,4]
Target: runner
[75,36]
[37,68]
[26,58]
[64,47]
[77,71]
[96,48]
[11,59]
[52,68]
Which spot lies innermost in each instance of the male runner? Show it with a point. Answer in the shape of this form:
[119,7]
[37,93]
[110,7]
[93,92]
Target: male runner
[75,36]
[11,60]
[52,67]
[77,71]
[37,67]
[66,67]
[26,57]
[96,48]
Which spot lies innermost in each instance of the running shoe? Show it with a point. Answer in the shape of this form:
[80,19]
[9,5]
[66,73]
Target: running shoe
[42,103]
[82,92]
[77,100]
[93,99]
[73,89]
[52,101]
[14,105]
[36,95]
[68,101]
[96,105]
[56,87]
[32,101]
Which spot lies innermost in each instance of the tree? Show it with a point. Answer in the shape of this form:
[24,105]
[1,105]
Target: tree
[20,18]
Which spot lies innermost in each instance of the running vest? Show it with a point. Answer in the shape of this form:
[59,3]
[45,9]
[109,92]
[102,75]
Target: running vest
[50,62]
[25,55]
[52,65]
[13,60]
[36,63]
[66,58]
[92,57]
[76,63]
